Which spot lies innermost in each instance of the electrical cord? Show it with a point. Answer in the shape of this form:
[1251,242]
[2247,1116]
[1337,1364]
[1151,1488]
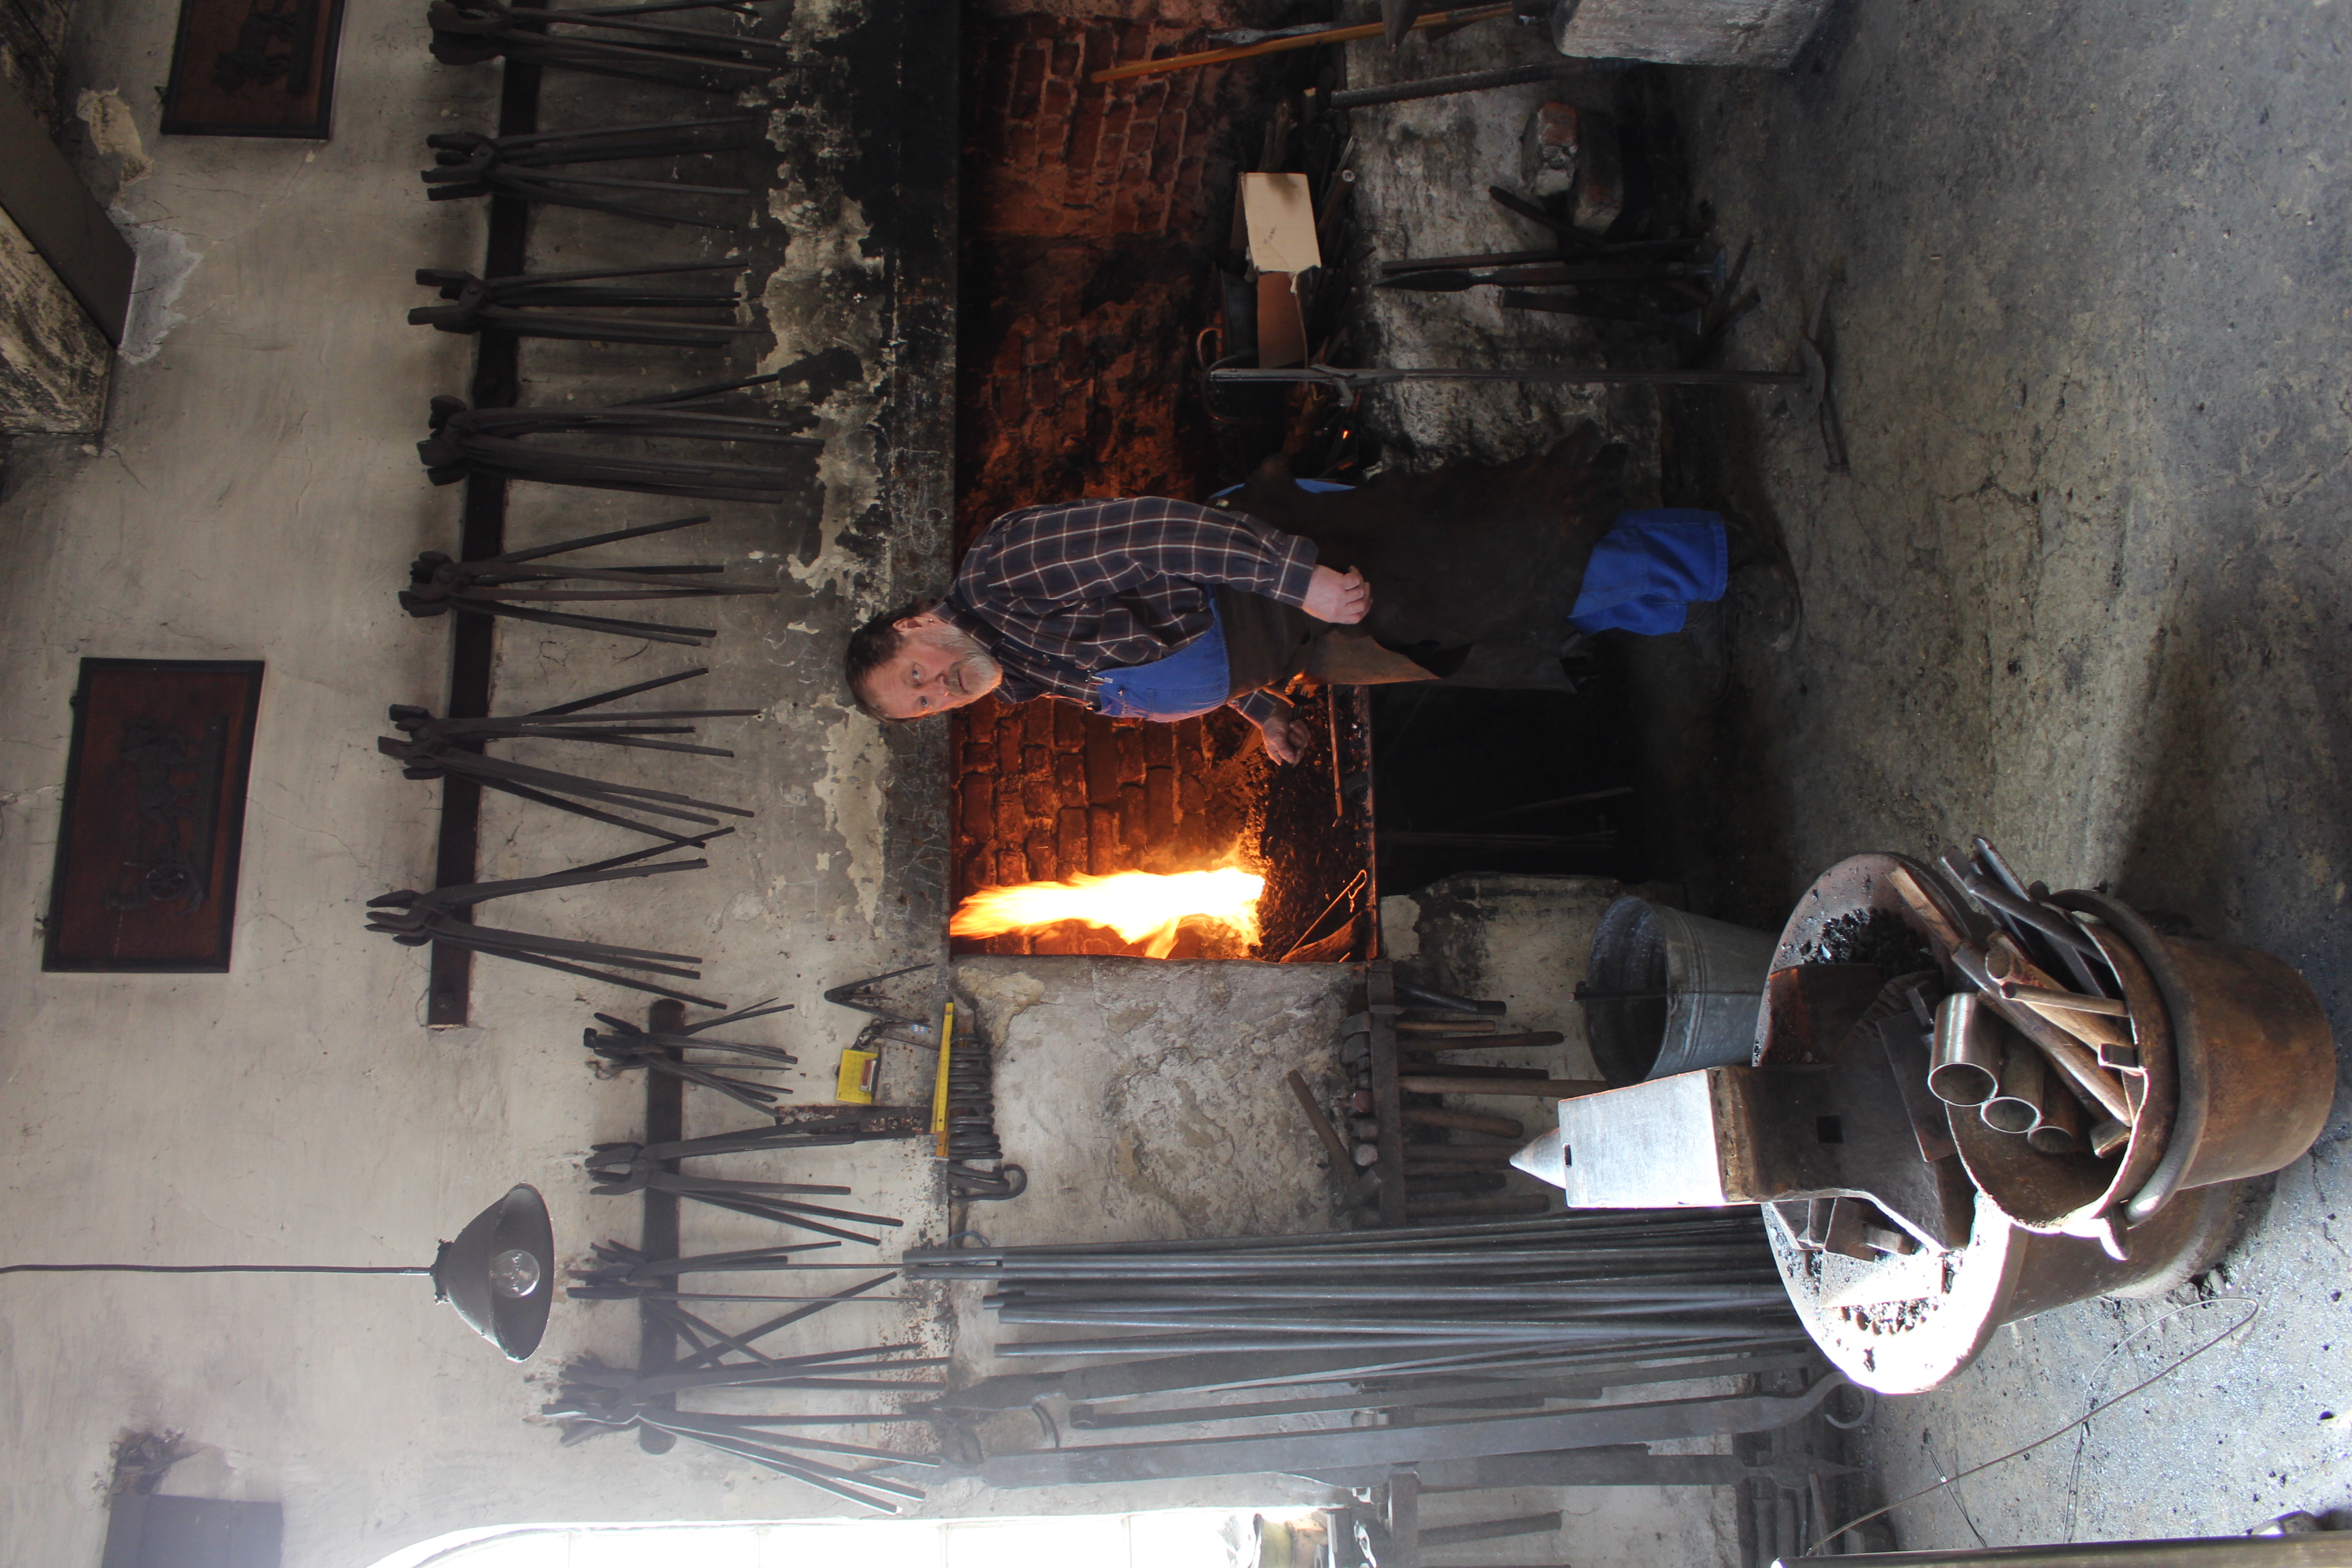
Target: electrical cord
[206,1269]
[2091,1383]
[2255,1310]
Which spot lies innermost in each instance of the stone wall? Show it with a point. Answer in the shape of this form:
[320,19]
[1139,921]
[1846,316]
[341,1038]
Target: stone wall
[1087,220]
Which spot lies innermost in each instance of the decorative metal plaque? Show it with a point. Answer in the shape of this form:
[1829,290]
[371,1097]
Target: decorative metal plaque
[154,814]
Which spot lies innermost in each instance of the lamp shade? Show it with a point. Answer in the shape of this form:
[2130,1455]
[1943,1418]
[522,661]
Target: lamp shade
[500,1272]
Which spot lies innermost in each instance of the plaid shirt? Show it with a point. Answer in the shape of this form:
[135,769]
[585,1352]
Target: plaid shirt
[1059,593]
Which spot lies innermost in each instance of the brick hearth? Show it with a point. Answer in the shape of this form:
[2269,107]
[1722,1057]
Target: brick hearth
[1090,226]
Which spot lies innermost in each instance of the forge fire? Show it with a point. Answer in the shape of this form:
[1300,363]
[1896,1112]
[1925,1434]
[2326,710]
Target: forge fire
[1140,906]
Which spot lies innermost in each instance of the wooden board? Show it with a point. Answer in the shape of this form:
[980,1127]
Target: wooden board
[254,67]
[146,869]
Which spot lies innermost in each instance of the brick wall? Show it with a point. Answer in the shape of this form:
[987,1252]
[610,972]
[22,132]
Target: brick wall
[1091,219]
[1046,789]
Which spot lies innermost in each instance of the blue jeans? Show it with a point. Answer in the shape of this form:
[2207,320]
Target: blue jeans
[1648,567]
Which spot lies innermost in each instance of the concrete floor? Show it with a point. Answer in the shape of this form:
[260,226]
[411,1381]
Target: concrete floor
[2084,590]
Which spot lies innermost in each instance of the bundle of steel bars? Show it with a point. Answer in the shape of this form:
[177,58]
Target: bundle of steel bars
[1516,1294]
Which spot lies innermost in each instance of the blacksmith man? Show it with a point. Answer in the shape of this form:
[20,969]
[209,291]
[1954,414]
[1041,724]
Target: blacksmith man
[1162,609]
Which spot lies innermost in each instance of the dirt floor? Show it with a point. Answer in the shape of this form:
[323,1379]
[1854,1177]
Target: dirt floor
[2083,590]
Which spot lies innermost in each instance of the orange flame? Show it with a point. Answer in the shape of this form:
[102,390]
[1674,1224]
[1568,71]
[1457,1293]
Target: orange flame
[1137,905]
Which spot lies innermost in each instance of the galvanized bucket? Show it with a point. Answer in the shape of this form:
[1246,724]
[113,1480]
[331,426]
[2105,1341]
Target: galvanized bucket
[1669,992]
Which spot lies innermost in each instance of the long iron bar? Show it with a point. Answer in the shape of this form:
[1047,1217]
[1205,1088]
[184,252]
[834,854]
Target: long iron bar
[1615,1257]
[1433,1296]
[1744,1229]
[1459,1236]
[1291,1452]
[1626,1245]
[1109,1381]
[1351,384]
[1467,81]
[1444,1391]
[1198,1344]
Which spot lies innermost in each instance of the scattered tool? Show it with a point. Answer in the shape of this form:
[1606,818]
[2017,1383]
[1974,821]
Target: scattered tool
[623,1269]
[964,1110]
[1592,250]
[1292,39]
[1574,305]
[471,32]
[1349,386]
[414,919]
[863,997]
[539,306]
[621,1168]
[628,1047]
[488,441]
[1455,280]
[468,164]
[594,1398]
[438,747]
[1447,1002]
[434,760]
[1333,1144]
[1448,86]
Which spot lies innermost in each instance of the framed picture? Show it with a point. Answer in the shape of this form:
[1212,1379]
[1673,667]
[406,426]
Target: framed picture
[254,67]
[154,815]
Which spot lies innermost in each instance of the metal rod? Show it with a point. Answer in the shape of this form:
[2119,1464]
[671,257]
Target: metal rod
[1277,44]
[2069,1001]
[1355,380]
[1465,81]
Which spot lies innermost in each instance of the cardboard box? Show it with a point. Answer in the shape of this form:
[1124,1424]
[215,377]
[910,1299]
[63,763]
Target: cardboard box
[1279,211]
[1281,324]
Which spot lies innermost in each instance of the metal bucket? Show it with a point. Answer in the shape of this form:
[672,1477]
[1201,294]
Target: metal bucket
[1672,992]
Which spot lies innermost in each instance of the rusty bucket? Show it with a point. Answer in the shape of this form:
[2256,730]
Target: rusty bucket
[2240,1074]
[2254,1060]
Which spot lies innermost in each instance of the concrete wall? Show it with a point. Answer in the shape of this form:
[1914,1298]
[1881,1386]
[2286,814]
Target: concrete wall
[1422,169]
[257,496]
[1507,938]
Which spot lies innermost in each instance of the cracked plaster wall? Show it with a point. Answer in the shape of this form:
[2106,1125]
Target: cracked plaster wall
[1146,1100]
[257,496]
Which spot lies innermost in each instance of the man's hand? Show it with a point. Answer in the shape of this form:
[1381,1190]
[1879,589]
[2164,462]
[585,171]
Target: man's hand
[1342,598]
[1285,737]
